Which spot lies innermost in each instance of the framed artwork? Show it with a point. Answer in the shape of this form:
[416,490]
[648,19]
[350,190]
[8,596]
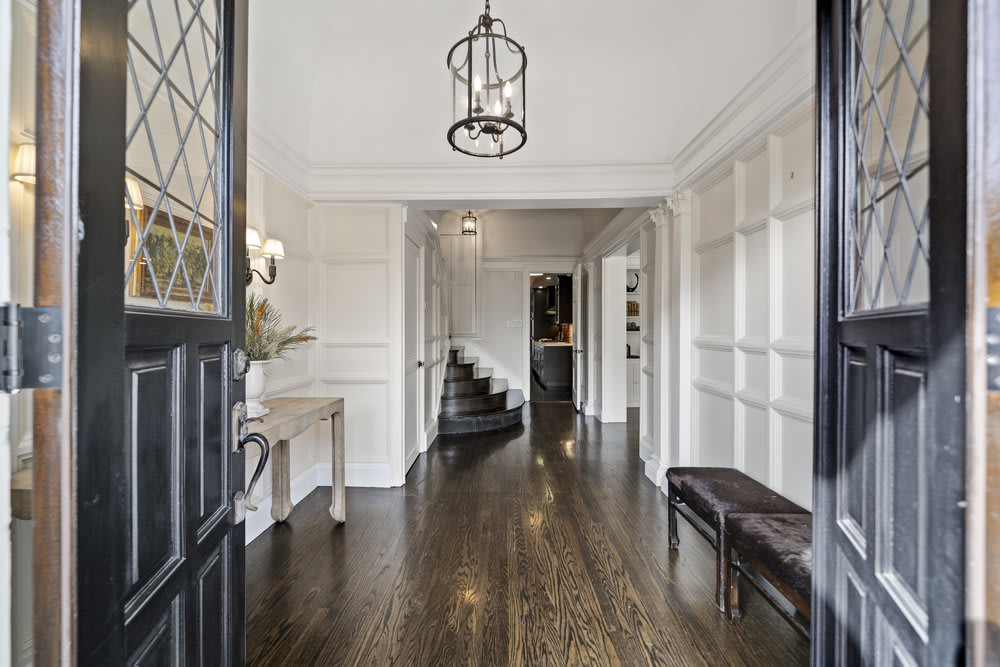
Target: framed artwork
[161,249]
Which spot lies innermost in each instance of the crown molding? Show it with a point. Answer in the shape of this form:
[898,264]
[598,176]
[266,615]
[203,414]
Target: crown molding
[616,233]
[464,181]
[783,86]
[277,159]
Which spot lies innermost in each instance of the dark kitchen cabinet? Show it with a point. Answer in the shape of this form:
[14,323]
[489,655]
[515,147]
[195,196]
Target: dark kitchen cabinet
[564,300]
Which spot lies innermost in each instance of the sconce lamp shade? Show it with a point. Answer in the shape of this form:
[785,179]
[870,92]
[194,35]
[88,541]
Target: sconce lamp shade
[133,199]
[24,164]
[273,248]
[253,239]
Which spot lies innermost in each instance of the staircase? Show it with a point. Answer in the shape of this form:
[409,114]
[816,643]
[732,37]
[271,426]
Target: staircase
[473,400]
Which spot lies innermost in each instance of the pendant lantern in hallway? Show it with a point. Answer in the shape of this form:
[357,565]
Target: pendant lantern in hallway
[487,91]
[469,224]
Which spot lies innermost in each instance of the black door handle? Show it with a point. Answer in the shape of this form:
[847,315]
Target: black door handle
[420,364]
[265,452]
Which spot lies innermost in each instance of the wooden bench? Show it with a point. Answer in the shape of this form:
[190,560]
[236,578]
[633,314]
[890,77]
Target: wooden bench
[710,495]
[778,548]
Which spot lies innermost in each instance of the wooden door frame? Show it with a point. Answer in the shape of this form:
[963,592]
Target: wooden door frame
[983,450]
[54,436]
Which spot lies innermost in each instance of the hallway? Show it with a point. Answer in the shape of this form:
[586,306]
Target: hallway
[540,545]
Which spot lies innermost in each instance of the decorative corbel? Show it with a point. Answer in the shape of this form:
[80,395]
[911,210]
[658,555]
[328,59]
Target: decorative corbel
[679,202]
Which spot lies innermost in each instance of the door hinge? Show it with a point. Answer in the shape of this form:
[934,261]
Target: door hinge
[31,348]
[993,349]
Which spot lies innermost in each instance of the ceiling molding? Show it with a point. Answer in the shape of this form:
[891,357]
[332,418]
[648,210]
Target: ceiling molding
[784,85]
[277,159]
[467,181]
[616,233]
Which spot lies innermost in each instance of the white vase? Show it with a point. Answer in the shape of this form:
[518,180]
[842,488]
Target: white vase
[256,388]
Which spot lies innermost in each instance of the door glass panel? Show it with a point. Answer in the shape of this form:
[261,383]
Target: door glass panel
[886,245]
[174,255]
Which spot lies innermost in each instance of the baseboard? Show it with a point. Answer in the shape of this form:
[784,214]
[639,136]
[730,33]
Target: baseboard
[410,459]
[301,486]
[430,433]
[367,474]
[645,449]
[588,408]
[655,471]
[320,474]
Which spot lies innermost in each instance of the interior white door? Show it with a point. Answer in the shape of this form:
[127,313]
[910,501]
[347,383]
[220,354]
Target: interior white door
[412,365]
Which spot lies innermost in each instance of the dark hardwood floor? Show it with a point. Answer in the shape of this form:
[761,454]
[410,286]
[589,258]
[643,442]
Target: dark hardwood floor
[542,545]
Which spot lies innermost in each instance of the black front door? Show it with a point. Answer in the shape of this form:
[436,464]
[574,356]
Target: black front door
[162,110]
[891,343]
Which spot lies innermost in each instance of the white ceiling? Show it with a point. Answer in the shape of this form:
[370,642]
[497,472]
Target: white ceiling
[364,84]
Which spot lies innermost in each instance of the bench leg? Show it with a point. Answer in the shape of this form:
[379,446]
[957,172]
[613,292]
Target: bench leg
[733,588]
[721,565]
[672,520]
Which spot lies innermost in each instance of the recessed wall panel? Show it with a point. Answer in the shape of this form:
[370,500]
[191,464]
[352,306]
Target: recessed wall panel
[354,361]
[797,163]
[367,406]
[354,303]
[796,378]
[716,366]
[756,458]
[796,447]
[714,291]
[716,210]
[715,429]
[754,373]
[852,466]
[754,284]
[353,232]
[797,277]
[758,186]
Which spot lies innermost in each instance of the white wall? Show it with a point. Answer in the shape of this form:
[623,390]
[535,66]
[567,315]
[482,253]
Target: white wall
[751,311]
[359,310]
[277,211]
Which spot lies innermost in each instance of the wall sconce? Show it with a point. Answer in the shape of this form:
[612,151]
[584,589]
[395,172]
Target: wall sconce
[24,164]
[271,249]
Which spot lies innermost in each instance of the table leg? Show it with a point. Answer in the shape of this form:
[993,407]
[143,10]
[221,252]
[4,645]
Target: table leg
[337,507]
[281,492]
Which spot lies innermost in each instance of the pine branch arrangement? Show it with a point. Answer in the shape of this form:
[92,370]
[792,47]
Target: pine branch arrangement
[267,338]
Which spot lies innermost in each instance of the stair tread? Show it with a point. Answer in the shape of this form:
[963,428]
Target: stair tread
[497,386]
[466,361]
[480,374]
[456,348]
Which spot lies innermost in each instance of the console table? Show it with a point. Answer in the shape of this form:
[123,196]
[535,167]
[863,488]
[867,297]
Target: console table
[289,417]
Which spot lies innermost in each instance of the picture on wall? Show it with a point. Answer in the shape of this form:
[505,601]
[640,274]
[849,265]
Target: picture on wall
[161,253]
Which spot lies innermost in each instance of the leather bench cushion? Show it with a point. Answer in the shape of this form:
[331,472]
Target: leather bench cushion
[781,542]
[713,493]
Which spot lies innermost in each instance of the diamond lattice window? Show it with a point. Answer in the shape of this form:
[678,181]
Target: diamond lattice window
[886,248]
[174,149]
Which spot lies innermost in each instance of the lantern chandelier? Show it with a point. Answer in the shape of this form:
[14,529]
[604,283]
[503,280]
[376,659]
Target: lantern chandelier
[487,91]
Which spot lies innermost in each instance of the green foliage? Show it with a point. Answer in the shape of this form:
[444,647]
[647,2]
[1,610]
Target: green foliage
[266,337]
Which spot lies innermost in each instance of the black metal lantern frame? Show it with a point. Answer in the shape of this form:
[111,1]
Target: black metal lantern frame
[488,91]
[469,224]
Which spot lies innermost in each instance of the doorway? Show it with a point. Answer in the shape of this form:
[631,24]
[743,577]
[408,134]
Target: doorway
[550,330]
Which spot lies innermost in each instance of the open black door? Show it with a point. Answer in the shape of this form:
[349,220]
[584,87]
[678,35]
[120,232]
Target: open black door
[162,111]
[891,341]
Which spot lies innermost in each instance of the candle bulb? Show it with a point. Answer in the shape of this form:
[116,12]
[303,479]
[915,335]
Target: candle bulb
[506,90]
[477,84]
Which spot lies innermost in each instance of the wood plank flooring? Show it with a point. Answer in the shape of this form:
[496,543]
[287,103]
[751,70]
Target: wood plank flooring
[542,545]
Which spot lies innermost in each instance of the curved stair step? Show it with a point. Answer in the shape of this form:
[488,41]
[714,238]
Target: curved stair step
[509,415]
[464,369]
[495,400]
[479,383]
